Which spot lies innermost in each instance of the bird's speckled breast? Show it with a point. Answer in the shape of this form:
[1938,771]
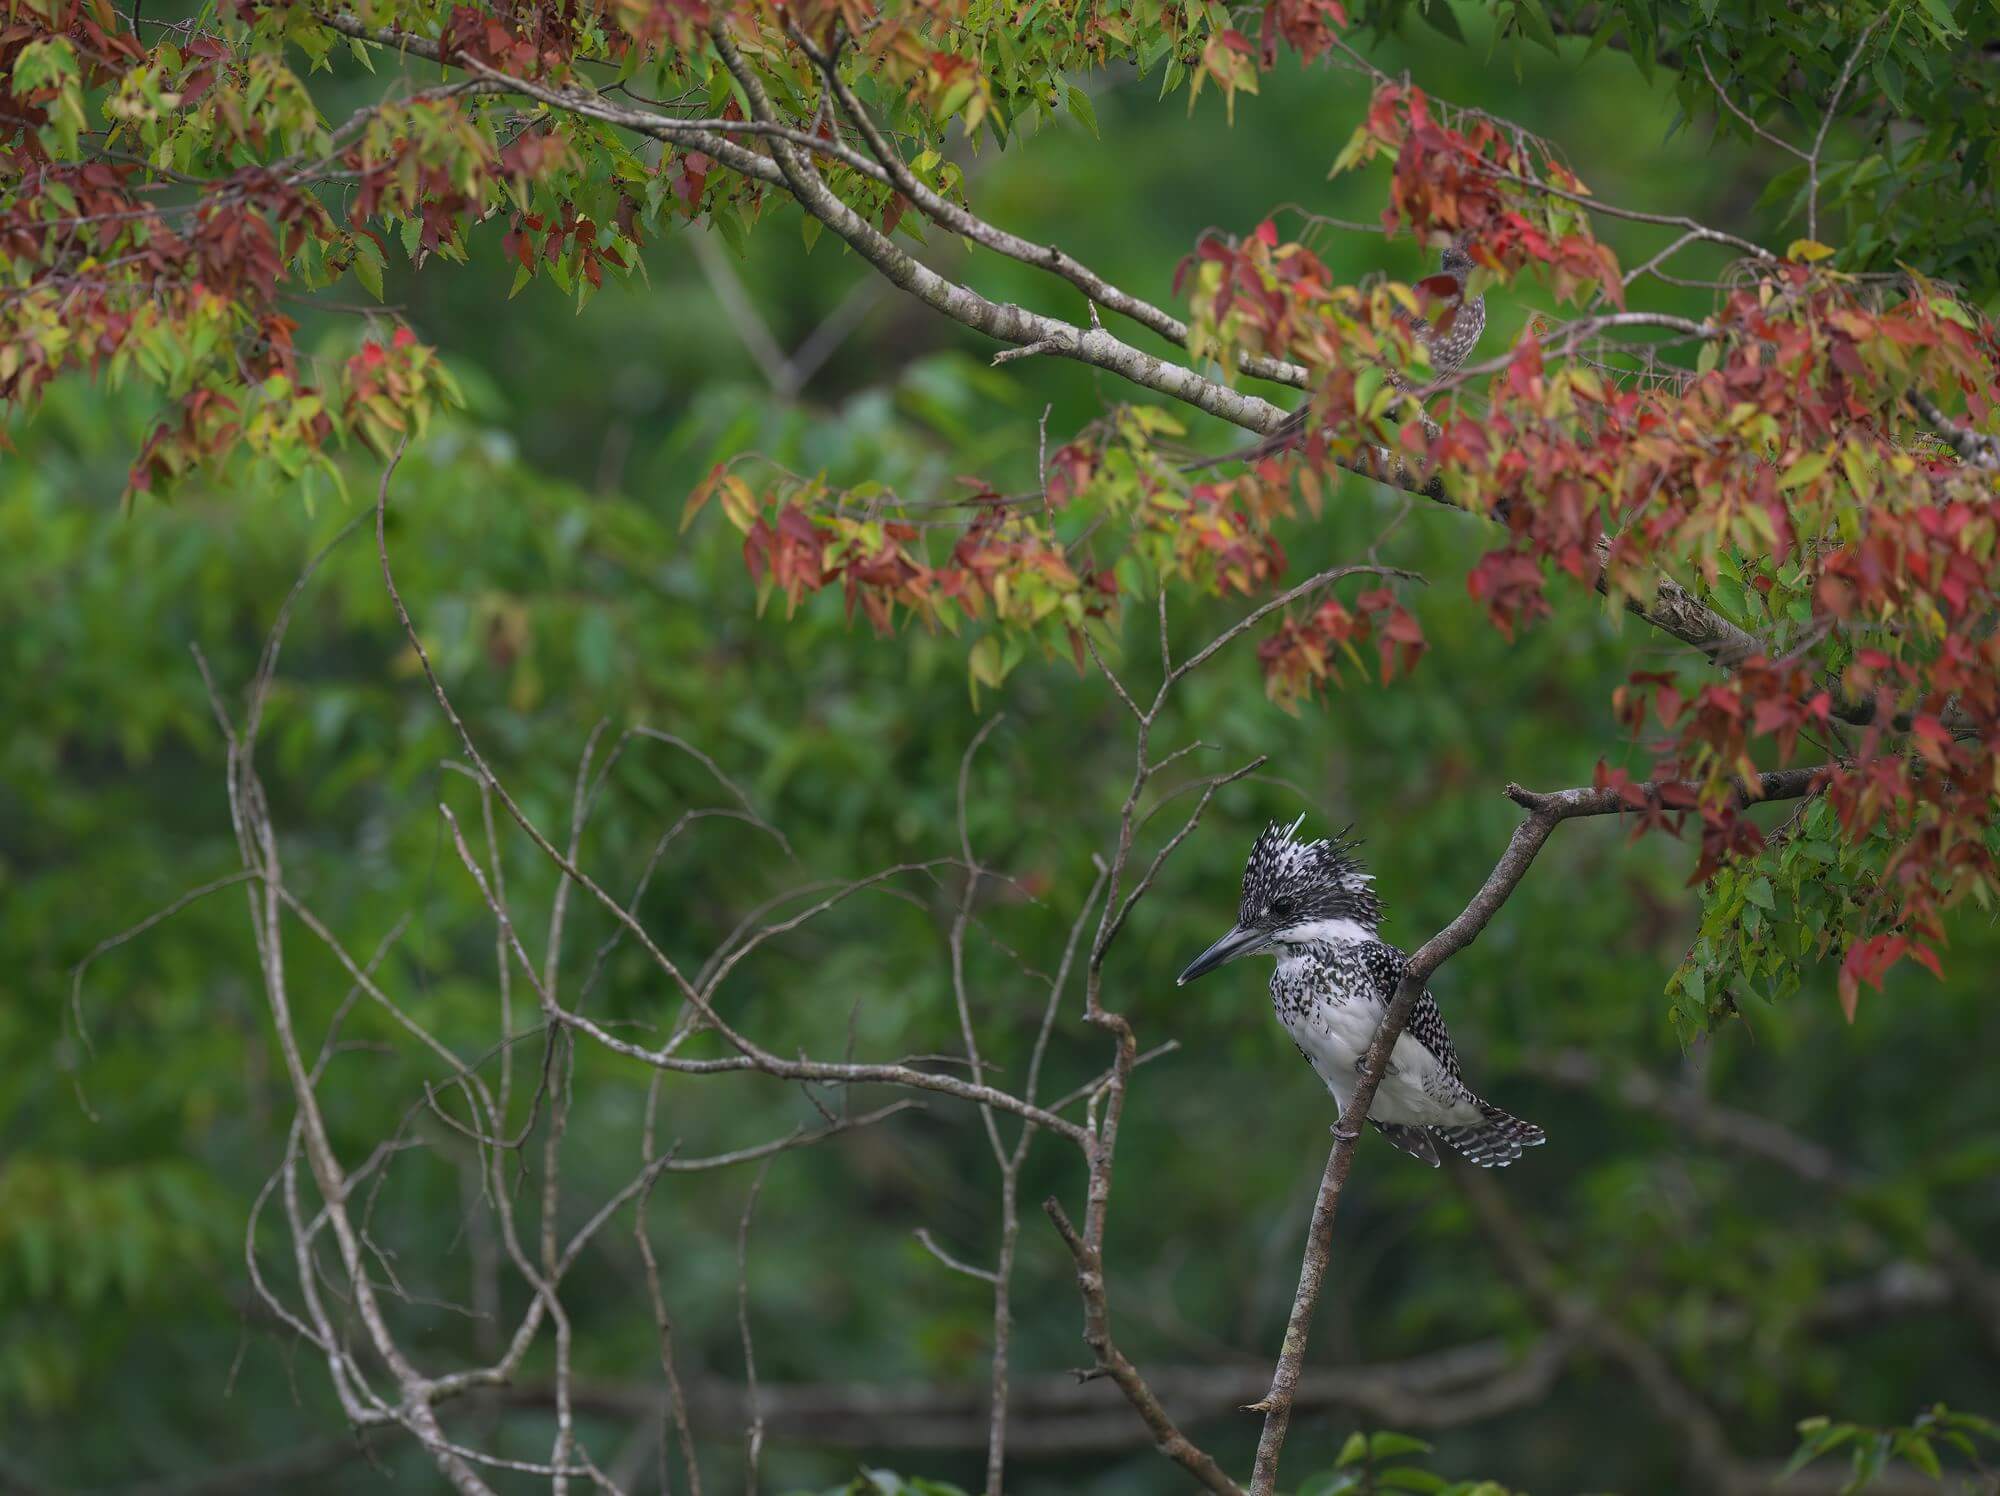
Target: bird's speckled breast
[1330,999]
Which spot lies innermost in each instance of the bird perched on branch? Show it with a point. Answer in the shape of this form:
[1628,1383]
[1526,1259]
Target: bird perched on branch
[1449,341]
[1313,906]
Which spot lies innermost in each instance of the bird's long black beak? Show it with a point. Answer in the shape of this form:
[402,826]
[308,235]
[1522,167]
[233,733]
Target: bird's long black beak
[1238,942]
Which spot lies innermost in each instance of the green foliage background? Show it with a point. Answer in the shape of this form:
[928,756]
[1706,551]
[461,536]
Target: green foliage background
[538,538]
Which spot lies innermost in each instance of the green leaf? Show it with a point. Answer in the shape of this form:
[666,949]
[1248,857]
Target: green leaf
[1820,1438]
[1917,1450]
[1533,20]
[1083,109]
[1439,15]
[1409,1478]
[1385,1446]
[368,265]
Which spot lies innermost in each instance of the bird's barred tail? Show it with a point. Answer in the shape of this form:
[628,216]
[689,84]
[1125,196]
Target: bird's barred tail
[1495,1142]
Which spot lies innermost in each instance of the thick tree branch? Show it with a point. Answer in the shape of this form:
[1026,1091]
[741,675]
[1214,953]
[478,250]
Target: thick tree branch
[1971,446]
[1567,805]
[1673,610]
[1056,1415]
[786,168]
[1048,257]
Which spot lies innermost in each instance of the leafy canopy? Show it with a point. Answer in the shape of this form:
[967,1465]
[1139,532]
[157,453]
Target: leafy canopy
[1798,482]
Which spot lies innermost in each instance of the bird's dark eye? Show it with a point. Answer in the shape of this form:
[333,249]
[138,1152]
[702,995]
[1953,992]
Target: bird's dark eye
[1281,910]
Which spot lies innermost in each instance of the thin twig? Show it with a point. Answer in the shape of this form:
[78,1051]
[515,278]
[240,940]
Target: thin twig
[753,1433]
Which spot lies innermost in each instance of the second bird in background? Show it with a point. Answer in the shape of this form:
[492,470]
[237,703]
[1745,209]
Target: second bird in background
[1449,347]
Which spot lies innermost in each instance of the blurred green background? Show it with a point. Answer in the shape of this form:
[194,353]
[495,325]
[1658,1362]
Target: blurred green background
[538,538]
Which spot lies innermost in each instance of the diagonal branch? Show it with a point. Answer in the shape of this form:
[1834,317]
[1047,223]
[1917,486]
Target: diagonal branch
[1972,446]
[1674,610]
[749,1055]
[787,169]
[1507,874]
[1114,1363]
[950,215]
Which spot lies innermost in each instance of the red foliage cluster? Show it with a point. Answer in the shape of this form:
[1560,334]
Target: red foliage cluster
[577,233]
[1810,371]
[1006,562]
[1863,559]
[1301,656]
[1478,180]
[1218,535]
[1790,453]
[207,422]
[1306,26]
[377,371]
[102,44]
[523,40]
[108,268]
[789,550]
[1278,290]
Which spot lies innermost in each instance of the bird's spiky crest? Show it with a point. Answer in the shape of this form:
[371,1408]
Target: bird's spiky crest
[1311,880]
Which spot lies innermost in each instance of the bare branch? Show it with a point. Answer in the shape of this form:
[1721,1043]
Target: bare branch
[672,1163]
[663,1327]
[1058,1415]
[1736,109]
[750,1056]
[133,932]
[957,1265]
[1167,1436]
[1545,812]
[1826,123]
[753,1434]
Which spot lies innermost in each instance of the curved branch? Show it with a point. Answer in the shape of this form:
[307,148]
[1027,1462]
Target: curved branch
[1004,322]
[1043,256]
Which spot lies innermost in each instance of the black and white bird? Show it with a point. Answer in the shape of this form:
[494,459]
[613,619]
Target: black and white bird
[1448,341]
[1313,906]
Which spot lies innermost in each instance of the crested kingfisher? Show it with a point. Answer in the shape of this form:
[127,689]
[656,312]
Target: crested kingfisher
[1313,906]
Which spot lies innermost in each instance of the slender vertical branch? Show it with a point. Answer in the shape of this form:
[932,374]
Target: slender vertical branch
[753,1433]
[1826,123]
[676,1399]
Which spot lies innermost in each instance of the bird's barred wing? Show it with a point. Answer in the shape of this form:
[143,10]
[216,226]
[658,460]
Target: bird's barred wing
[1427,1028]
[1385,966]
